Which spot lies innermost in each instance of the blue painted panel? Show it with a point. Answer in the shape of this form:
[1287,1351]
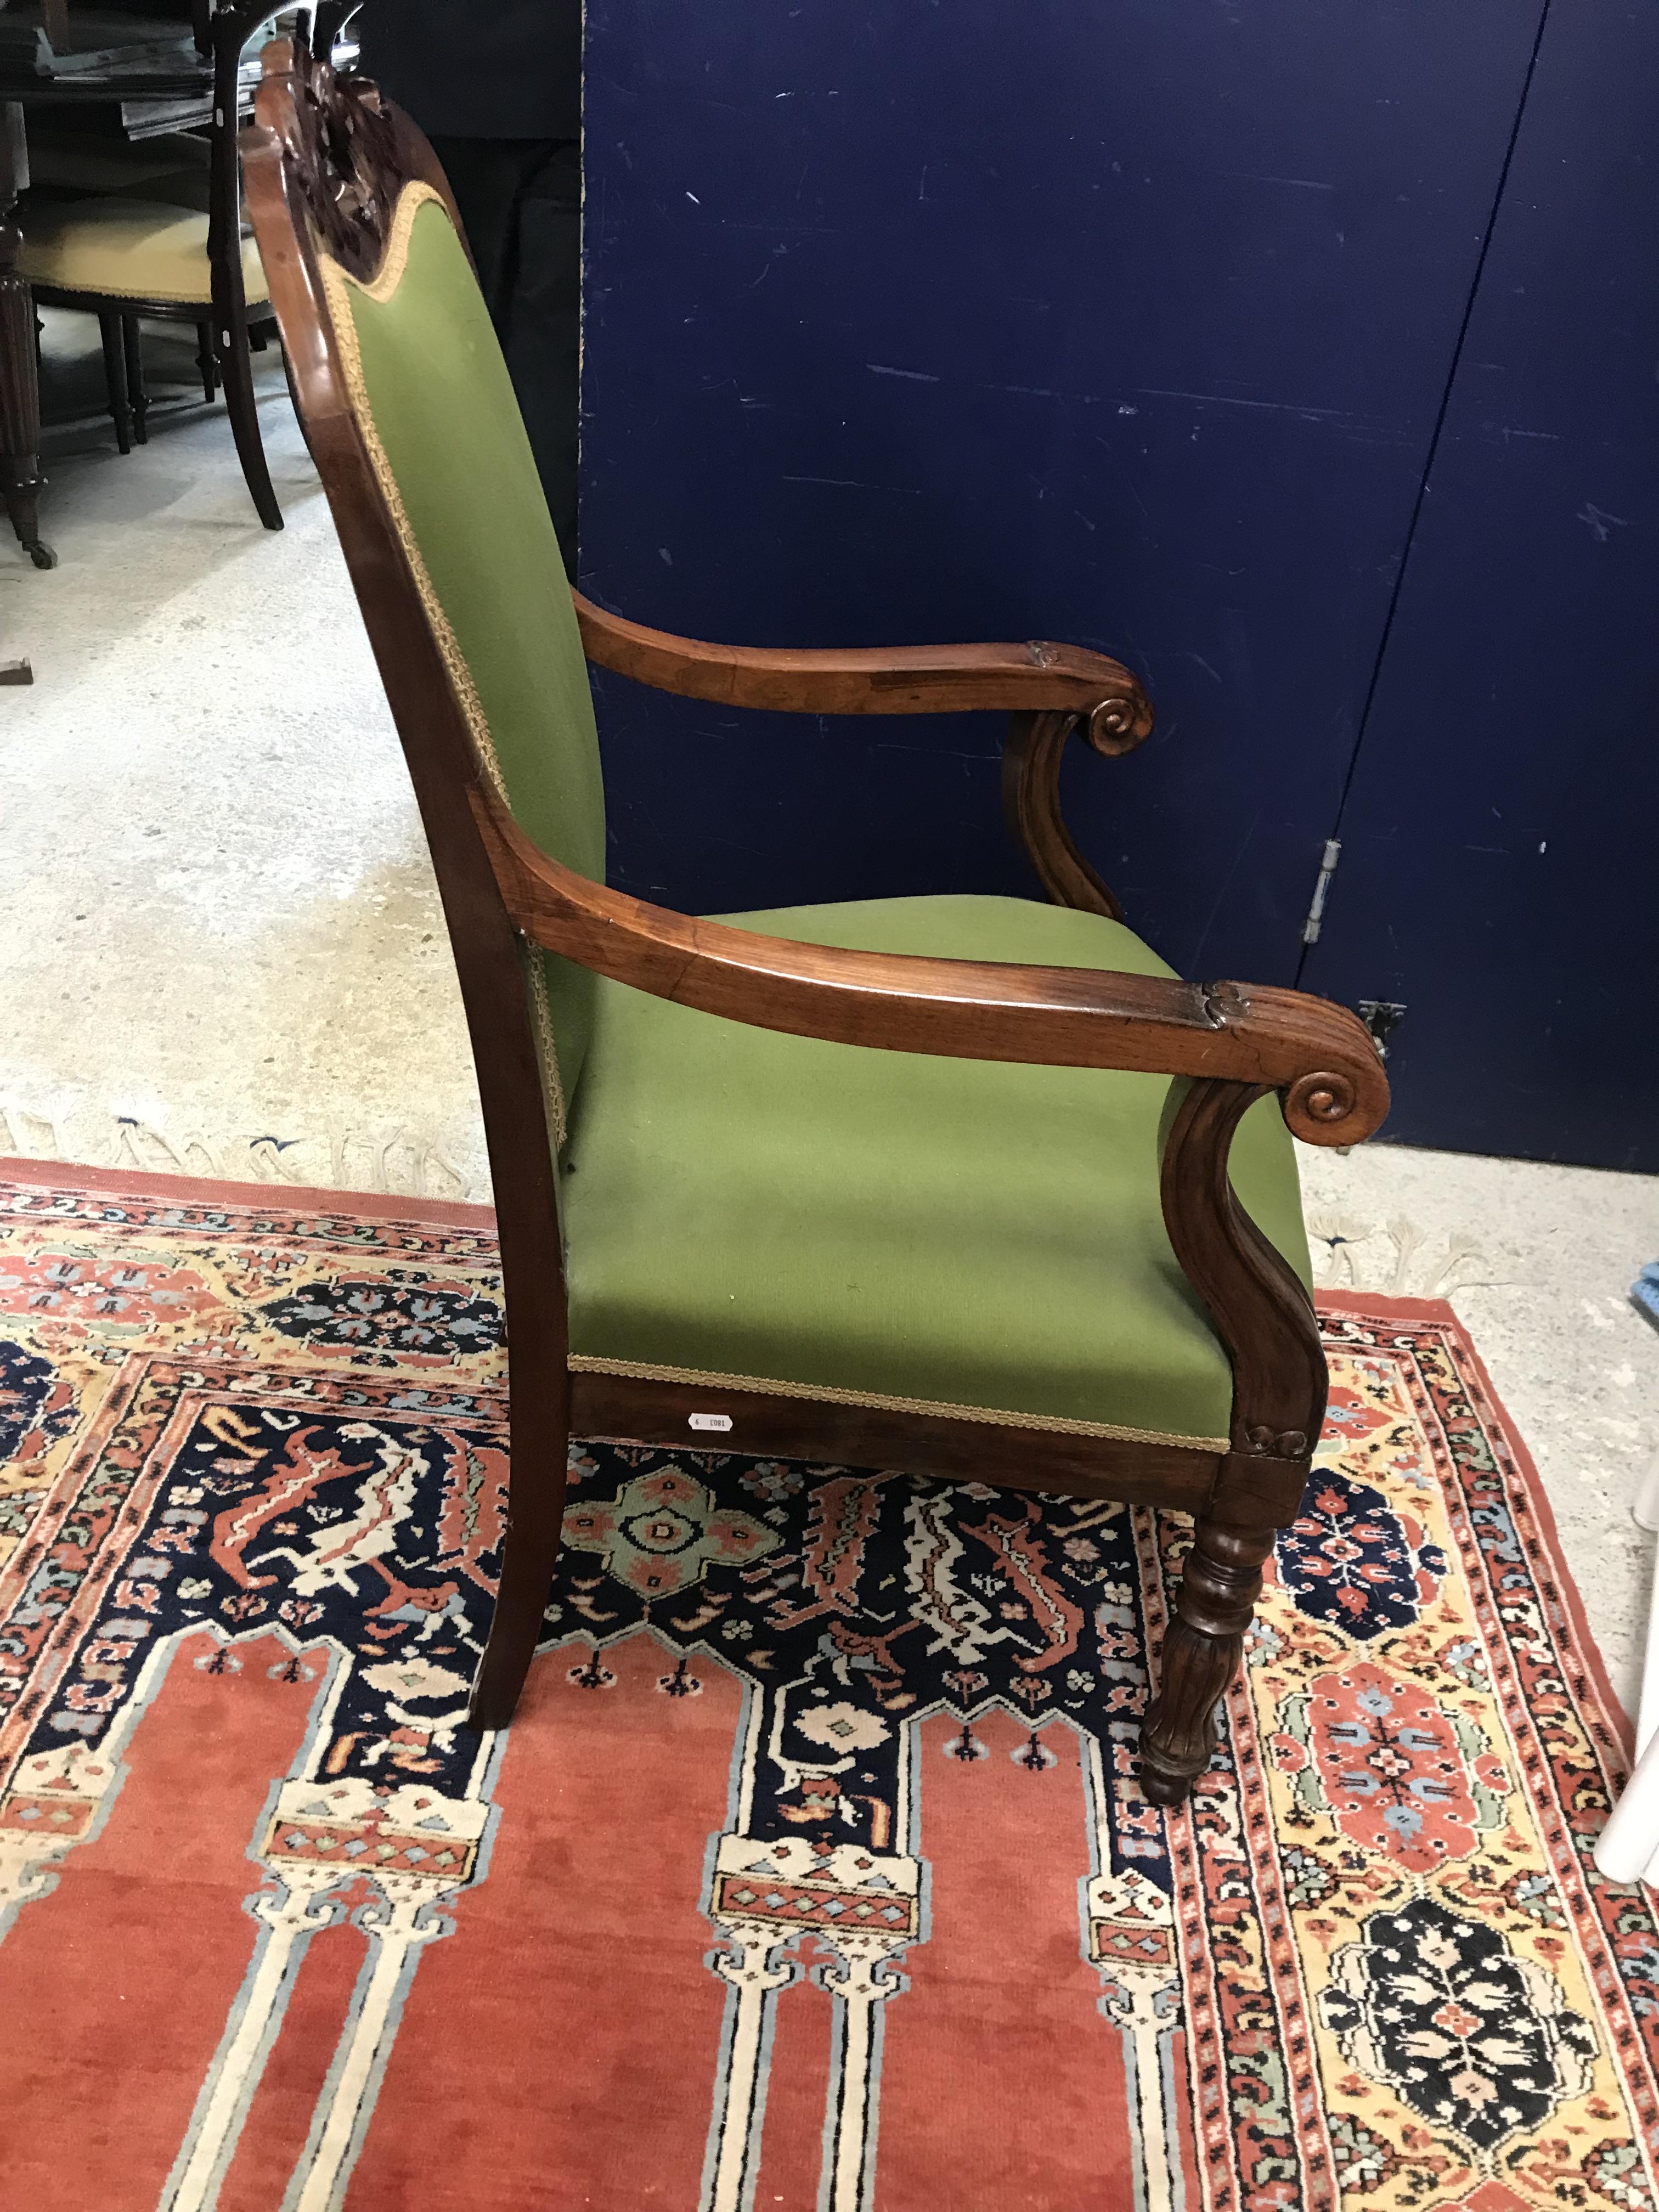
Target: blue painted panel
[1499,867]
[1126,322]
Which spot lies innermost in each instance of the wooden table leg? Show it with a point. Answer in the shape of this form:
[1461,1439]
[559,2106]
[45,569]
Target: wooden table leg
[20,481]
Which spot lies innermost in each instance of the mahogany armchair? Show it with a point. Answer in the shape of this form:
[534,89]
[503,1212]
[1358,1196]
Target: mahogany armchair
[972,1187]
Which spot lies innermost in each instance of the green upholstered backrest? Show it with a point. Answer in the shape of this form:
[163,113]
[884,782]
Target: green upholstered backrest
[432,395]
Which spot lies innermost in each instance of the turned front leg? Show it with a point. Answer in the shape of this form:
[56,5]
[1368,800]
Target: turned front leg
[1219,1585]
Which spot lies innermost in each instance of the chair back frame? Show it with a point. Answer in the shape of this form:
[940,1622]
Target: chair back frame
[320,164]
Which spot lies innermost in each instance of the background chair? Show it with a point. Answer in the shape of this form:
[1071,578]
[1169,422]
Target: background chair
[1047,1233]
[156,230]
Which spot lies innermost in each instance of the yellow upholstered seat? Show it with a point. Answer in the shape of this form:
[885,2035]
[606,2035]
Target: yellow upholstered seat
[123,248]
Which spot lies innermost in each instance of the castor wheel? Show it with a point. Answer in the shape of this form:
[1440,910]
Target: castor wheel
[21,503]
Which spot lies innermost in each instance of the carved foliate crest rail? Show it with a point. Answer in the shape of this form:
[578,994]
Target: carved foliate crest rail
[348,170]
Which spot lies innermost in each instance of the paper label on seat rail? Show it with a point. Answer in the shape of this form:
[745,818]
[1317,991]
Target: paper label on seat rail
[721,1421]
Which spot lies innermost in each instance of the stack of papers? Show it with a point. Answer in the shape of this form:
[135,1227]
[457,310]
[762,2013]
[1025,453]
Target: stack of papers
[82,41]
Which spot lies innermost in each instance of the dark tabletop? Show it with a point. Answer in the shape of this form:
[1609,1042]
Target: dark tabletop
[172,83]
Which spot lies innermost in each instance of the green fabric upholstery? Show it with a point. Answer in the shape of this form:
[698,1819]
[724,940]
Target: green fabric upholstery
[966,1232]
[443,408]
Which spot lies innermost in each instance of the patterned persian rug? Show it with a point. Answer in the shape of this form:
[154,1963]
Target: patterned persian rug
[815,1873]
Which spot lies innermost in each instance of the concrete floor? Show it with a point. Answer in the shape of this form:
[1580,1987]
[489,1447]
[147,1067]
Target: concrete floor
[221,949]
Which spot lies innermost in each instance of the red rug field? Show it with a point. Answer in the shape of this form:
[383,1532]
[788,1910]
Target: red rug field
[815,1873]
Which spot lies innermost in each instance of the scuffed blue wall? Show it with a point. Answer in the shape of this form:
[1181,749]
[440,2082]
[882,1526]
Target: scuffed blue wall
[1125,322]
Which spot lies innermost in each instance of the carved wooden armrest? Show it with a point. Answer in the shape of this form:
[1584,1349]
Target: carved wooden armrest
[1048,690]
[1319,1056]
[905,679]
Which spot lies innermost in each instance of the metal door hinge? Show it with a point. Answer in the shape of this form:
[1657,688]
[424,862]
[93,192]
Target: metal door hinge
[1311,926]
[1381,1017]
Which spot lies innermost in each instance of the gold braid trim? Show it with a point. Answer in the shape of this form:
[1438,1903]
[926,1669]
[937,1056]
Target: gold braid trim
[636,1370]
[546,1046]
[337,285]
[393,262]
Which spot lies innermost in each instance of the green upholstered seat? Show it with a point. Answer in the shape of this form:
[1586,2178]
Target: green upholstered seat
[812,1216]
[958,1233]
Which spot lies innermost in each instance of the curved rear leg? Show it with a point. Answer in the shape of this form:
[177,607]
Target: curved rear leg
[530,1551]
[137,390]
[240,400]
[115,380]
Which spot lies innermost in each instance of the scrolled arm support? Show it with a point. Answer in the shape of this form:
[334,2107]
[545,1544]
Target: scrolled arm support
[1318,1102]
[1260,1309]
[1117,725]
[1031,757]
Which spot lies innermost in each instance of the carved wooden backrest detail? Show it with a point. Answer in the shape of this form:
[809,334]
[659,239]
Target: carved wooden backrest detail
[348,165]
